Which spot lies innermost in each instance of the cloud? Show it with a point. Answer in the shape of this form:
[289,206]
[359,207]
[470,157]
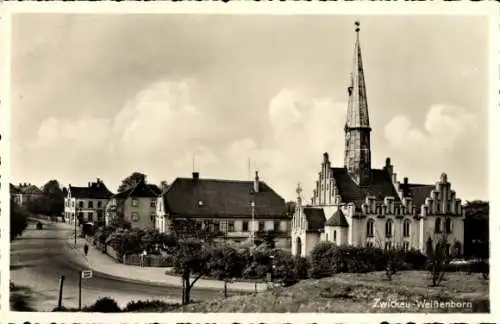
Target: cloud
[444,126]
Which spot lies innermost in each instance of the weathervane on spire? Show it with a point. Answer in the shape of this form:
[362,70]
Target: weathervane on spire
[357,26]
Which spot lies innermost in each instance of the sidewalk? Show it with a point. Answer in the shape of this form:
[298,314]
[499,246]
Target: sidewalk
[105,265]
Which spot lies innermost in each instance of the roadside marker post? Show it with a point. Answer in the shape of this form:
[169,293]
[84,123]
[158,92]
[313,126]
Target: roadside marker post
[84,274]
[61,283]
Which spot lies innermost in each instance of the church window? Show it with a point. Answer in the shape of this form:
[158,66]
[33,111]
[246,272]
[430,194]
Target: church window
[406,228]
[369,228]
[369,244]
[326,237]
[448,225]
[388,245]
[406,246]
[388,228]
[437,225]
[335,236]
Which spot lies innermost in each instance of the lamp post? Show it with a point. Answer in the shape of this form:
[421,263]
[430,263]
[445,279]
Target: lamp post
[252,204]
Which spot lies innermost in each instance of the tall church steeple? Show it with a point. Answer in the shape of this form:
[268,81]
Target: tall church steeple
[357,128]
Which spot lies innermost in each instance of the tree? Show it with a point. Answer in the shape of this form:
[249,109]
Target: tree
[438,259]
[268,238]
[18,220]
[192,258]
[131,181]
[476,229]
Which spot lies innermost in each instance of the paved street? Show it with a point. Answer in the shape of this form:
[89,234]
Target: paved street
[40,256]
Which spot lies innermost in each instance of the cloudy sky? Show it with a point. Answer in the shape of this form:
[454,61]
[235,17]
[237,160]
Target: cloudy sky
[106,95]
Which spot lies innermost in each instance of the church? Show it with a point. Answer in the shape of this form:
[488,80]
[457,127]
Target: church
[358,205]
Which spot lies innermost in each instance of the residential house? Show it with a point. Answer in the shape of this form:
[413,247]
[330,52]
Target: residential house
[24,193]
[136,205]
[240,210]
[86,203]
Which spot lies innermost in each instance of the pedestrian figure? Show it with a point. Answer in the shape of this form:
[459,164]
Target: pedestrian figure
[86,249]
[143,256]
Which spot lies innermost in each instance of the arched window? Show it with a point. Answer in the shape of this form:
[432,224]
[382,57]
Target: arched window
[369,228]
[335,236]
[388,228]
[326,237]
[448,225]
[437,225]
[406,228]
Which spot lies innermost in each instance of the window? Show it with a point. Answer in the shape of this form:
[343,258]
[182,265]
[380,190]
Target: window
[244,226]
[369,244]
[72,203]
[276,226]
[153,203]
[448,225]
[134,202]
[335,236]
[67,202]
[153,217]
[326,237]
[230,226]
[388,228]
[406,228]
[91,204]
[80,204]
[262,226]
[135,216]
[406,246]
[369,228]
[99,204]
[90,217]
[437,225]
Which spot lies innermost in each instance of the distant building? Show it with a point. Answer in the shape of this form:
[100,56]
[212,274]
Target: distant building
[136,205]
[228,205]
[24,193]
[356,204]
[86,203]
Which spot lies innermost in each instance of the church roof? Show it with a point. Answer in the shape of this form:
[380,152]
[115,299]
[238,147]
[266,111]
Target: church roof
[315,218]
[419,192]
[337,219]
[357,111]
[380,186]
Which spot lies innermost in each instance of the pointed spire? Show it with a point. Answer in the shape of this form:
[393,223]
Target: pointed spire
[357,111]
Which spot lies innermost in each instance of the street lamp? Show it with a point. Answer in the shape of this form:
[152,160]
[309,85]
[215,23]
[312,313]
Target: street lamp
[252,233]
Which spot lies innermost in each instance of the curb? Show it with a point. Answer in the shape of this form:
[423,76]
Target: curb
[152,283]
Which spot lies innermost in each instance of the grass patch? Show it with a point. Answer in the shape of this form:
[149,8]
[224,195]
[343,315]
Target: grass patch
[409,291]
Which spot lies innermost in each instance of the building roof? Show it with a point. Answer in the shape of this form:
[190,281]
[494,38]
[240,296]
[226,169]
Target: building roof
[96,190]
[337,219]
[13,189]
[315,218]
[27,189]
[380,186]
[419,192]
[195,197]
[140,190]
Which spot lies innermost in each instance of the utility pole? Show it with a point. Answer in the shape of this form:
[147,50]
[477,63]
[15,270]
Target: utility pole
[61,283]
[74,218]
[252,204]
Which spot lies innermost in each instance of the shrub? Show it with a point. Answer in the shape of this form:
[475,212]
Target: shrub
[104,305]
[415,259]
[149,306]
[323,260]
[302,267]
[226,262]
[285,268]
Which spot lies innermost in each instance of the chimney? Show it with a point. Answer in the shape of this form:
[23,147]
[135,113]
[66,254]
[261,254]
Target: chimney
[196,175]
[256,182]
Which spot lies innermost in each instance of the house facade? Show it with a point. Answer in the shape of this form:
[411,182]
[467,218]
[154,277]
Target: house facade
[135,205]
[363,206]
[86,204]
[239,210]
[24,193]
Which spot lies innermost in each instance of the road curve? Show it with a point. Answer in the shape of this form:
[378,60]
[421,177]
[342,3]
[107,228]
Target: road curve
[39,257]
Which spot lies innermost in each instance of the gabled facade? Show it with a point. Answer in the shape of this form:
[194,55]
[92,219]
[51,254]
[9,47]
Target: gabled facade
[359,205]
[86,204]
[136,205]
[239,209]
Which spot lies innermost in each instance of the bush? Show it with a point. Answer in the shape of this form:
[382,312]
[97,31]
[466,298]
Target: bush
[226,262]
[303,267]
[285,268]
[149,306]
[323,260]
[104,305]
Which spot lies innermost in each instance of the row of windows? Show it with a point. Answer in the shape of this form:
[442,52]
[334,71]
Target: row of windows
[230,225]
[90,204]
[389,228]
[135,203]
[135,217]
[388,245]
